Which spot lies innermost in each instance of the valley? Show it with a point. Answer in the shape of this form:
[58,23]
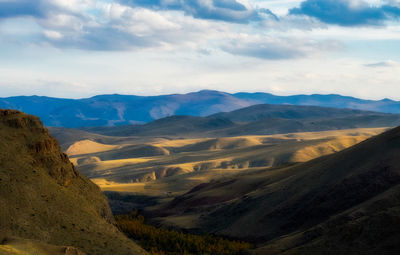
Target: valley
[171,166]
[342,203]
[204,184]
[169,156]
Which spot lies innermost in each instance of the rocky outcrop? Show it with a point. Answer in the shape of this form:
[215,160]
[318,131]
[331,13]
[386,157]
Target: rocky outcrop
[45,199]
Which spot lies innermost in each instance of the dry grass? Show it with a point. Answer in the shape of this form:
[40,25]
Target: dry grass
[34,247]
[44,198]
[88,146]
[193,161]
[196,160]
[344,203]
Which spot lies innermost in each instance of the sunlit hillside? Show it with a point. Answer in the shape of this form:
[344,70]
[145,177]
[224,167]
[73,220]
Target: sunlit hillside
[172,166]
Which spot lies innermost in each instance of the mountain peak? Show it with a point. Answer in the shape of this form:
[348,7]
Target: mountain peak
[210,92]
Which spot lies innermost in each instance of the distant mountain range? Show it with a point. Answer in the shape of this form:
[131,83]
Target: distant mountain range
[114,110]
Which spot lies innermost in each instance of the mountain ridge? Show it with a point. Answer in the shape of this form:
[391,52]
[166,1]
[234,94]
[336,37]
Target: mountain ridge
[263,119]
[116,109]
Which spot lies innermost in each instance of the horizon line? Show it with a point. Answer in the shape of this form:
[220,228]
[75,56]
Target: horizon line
[204,90]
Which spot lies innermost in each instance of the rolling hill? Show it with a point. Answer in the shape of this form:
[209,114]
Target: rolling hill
[47,206]
[256,120]
[172,166]
[344,203]
[111,110]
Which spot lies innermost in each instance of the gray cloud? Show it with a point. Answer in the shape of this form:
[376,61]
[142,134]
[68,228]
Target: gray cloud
[387,63]
[278,48]
[347,13]
[120,28]
[265,50]
[134,24]
[103,39]
[11,8]
[224,10]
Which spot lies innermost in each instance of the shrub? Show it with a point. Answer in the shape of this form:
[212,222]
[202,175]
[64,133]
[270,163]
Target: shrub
[159,241]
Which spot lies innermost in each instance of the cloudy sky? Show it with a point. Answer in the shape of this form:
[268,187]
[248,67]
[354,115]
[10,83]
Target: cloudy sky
[80,48]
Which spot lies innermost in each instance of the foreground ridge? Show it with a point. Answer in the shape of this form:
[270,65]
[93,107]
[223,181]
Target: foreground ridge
[45,199]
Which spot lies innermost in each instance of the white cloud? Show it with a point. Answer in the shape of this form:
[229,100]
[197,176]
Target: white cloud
[53,35]
[138,21]
[74,5]
[86,47]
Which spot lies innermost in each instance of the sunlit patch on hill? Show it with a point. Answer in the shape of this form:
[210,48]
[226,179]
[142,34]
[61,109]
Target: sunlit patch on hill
[88,146]
[173,165]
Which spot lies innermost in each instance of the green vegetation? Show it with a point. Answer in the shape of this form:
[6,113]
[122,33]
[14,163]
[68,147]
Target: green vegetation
[159,241]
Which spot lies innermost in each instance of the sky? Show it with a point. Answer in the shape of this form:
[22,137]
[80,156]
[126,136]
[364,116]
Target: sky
[82,48]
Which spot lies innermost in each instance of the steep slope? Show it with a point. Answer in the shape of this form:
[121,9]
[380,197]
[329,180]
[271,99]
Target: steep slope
[347,201]
[110,110]
[44,198]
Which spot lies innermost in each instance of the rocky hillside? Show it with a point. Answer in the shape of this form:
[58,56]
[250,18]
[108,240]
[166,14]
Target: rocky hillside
[44,198]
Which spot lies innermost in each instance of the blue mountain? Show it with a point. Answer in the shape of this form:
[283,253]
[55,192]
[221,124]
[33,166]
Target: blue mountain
[114,110]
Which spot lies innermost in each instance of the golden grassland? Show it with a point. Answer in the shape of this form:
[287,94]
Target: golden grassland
[159,166]
[88,146]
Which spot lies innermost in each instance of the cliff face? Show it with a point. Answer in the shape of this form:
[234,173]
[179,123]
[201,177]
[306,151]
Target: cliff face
[43,148]
[43,197]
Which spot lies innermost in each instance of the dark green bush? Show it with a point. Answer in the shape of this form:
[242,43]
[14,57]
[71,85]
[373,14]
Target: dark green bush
[159,241]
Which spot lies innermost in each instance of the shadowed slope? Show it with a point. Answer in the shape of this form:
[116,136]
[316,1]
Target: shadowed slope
[268,111]
[342,192]
[44,198]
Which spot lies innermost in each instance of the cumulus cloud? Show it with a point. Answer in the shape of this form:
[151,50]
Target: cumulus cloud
[348,12]
[174,24]
[99,25]
[224,10]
